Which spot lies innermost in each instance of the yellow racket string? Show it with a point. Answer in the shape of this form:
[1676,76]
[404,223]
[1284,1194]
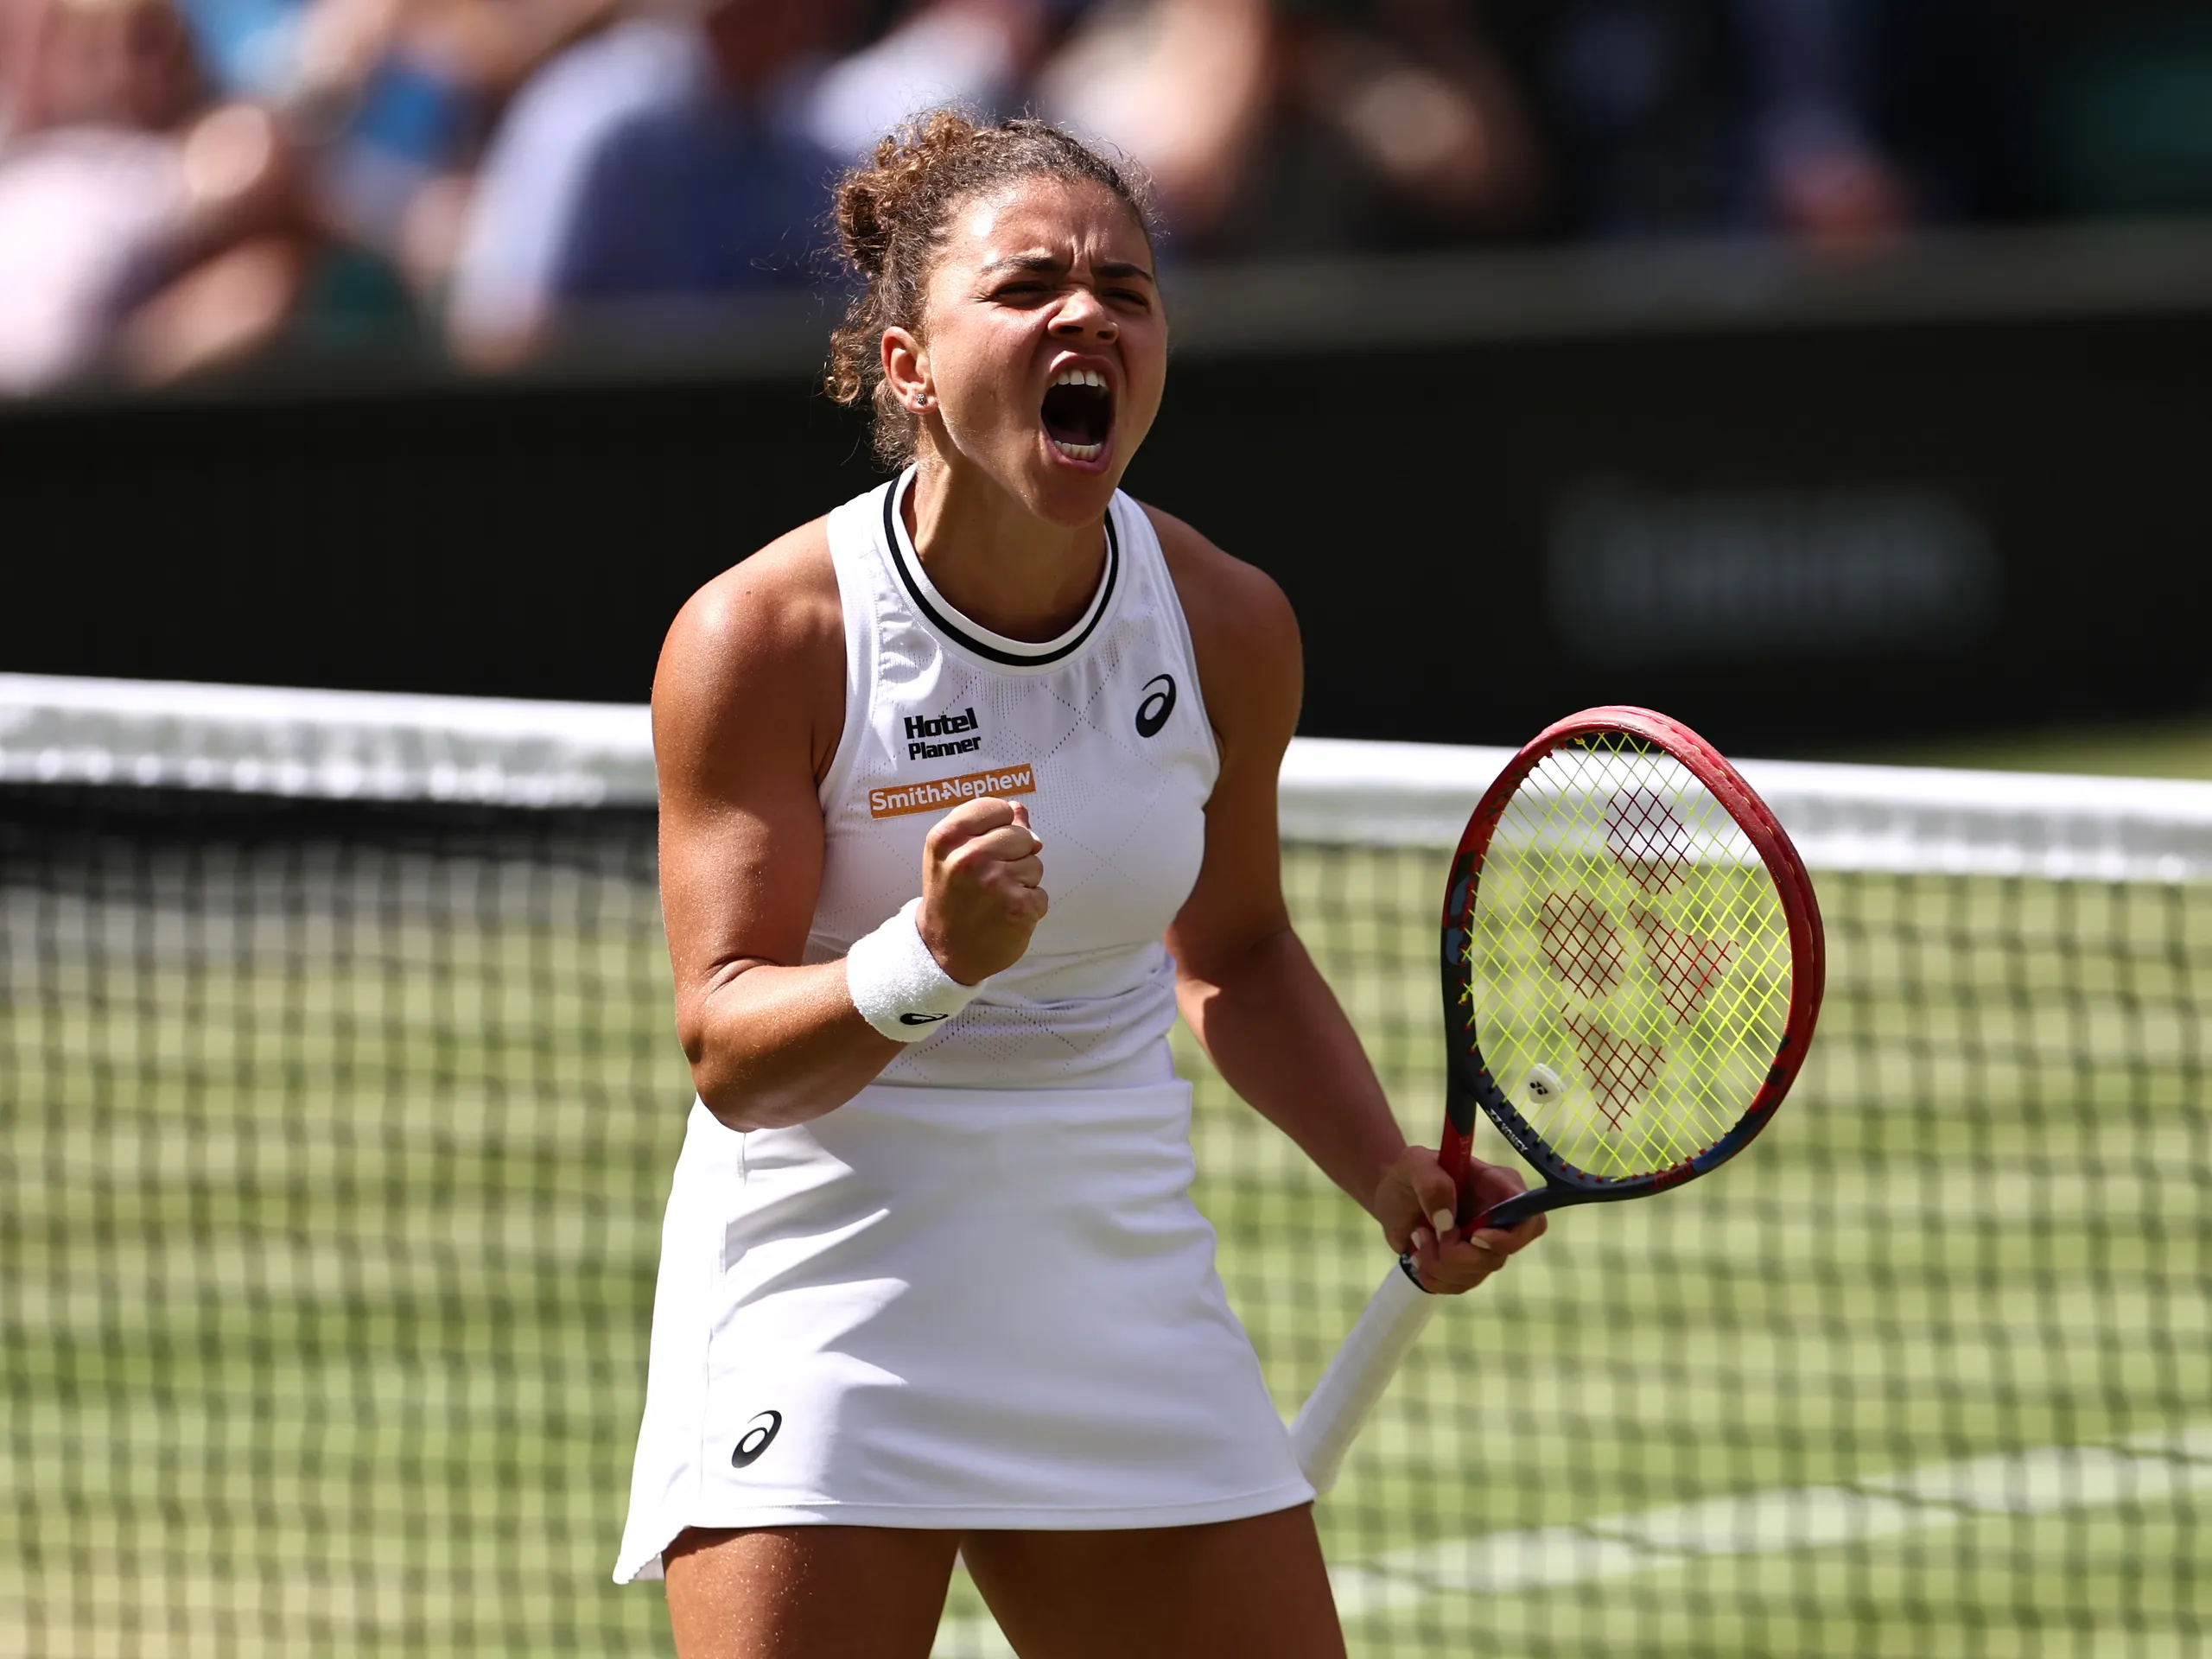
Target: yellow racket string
[1628,959]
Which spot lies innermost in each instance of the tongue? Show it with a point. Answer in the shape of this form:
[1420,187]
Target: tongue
[1075,414]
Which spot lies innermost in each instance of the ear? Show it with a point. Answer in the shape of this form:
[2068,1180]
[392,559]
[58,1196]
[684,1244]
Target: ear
[906,368]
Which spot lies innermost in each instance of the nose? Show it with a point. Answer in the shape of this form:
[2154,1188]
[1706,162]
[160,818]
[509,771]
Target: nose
[1081,315]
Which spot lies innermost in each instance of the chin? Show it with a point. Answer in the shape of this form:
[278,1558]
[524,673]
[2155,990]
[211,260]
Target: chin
[1072,496]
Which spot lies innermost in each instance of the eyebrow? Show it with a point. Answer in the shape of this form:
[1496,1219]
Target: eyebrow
[1050,264]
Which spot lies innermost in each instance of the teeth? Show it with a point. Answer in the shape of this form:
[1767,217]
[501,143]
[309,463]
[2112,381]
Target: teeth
[1073,376]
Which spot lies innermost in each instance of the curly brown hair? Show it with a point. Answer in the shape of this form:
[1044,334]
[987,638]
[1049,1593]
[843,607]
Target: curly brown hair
[892,212]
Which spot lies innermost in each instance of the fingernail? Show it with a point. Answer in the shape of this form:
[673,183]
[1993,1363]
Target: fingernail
[1443,1220]
[1476,1241]
[1422,1241]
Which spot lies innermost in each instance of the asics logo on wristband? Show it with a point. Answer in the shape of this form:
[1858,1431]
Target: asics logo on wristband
[898,986]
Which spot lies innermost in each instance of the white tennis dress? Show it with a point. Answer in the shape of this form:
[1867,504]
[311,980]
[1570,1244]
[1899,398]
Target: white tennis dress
[977,1295]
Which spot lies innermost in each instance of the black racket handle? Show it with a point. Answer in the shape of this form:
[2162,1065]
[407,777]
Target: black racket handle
[1521,1206]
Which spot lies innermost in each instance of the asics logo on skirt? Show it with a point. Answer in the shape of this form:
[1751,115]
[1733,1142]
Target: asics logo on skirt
[758,1433]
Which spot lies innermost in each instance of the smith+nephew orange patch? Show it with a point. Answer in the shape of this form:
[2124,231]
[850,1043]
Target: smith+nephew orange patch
[897,800]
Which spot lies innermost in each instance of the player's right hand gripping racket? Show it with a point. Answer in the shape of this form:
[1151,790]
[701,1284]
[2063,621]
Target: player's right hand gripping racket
[1632,963]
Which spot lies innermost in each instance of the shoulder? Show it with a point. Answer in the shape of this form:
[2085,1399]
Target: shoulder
[1243,633]
[762,648]
[768,613]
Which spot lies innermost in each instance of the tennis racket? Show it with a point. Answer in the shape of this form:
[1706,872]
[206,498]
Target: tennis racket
[1632,963]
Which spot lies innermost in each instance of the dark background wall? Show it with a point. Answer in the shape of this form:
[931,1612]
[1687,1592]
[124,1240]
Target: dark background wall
[1822,528]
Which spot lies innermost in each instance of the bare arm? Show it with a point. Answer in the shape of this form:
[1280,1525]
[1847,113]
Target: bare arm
[1244,981]
[747,705]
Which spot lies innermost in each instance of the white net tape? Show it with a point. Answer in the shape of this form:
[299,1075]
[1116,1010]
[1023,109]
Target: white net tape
[1840,818]
[370,746]
[333,745]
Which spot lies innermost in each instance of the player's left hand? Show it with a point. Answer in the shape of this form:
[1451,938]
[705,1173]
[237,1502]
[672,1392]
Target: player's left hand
[1414,1202]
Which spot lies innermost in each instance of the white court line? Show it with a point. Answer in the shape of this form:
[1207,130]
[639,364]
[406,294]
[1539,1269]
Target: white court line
[2143,1468]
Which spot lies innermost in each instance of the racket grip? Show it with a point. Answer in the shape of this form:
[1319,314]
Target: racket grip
[1332,1416]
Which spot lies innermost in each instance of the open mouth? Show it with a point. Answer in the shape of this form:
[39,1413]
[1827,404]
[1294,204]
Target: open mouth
[1078,413]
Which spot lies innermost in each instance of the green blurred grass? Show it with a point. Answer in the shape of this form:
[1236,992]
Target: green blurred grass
[327,1235]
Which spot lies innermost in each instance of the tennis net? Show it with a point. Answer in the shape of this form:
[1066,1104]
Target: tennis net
[338,1100]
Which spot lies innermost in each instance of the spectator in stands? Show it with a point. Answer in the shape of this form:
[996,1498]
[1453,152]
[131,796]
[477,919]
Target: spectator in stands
[1397,125]
[175,194]
[1184,85]
[408,91]
[392,97]
[139,227]
[976,54]
[668,159]
[1817,170]
[1639,103]
[1834,122]
[1305,124]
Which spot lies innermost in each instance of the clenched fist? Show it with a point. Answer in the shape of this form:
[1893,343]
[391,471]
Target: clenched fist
[981,897]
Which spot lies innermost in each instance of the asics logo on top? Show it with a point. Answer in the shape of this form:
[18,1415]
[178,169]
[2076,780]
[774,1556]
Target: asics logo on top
[921,728]
[758,1433]
[1153,712]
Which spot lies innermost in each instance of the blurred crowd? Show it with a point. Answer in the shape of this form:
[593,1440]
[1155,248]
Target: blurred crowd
[183,183]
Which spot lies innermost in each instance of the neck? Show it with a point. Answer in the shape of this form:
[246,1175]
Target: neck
[997,562]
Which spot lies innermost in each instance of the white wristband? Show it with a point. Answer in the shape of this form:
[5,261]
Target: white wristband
[896,984]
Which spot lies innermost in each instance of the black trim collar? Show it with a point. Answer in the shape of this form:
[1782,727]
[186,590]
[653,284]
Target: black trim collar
[950,622]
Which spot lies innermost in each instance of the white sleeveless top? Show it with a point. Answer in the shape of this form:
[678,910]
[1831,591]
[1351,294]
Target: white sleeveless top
[1101,732]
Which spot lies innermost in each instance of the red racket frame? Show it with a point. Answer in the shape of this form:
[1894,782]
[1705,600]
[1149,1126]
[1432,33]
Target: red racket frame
[1469,1084]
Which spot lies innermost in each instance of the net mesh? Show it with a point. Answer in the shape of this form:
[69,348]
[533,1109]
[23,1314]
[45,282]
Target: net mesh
[333,1134]
[1628,959]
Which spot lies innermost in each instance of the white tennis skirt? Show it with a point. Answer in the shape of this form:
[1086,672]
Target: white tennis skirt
[952,1309]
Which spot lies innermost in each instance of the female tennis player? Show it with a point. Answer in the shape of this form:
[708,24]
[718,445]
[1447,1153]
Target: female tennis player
[930,1278]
